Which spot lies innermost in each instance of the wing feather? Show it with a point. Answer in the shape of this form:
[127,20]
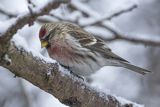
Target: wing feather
[94,44]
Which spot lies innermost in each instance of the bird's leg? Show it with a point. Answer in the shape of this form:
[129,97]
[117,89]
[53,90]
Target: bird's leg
[67,67]
[76,75]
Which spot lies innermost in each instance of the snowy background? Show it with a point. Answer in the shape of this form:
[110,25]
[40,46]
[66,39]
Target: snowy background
[143,22]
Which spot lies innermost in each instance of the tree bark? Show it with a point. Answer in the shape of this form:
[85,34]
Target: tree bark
[69,89]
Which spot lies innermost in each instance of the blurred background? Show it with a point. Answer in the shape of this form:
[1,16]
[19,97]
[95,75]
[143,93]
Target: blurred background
[142,22]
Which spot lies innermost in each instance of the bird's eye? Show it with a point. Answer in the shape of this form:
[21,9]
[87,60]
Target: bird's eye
[42,33]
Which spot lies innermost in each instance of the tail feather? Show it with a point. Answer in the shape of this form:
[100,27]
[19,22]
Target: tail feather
[135,68]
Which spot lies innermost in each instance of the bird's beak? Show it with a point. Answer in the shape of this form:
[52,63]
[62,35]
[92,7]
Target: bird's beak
[44,44]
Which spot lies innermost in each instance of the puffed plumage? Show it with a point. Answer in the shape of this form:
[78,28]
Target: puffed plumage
[79,50]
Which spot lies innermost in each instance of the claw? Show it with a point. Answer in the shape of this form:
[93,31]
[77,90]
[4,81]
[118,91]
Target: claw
[67,67]
[76,75]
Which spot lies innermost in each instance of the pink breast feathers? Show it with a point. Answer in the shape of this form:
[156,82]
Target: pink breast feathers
[61,54]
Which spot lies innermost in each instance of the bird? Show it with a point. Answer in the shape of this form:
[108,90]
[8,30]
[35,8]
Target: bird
[80,51]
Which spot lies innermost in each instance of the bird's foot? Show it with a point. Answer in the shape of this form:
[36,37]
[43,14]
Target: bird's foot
[76,75]
[67,67]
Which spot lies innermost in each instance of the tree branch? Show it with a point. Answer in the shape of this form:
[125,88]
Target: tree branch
[134,40]
[111,16]
[122,12]
[28,18]
[7,13]
[31,3]
[116,35]
[67,88]
[64,86]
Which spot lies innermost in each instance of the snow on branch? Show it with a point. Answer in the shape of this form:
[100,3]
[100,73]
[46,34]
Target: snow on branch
[31,3]
[30,18]
[70,90]
[75,4]
[97,19]
[100,23]
[50,77]
[7,13]
[46,75]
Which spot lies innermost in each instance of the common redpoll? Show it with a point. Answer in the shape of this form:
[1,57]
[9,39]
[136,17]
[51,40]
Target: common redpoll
[79,50]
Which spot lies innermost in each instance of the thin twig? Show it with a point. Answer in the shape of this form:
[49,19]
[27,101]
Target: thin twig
[135,41]
[31,3]
[113,15]
[7,13]
[44,20]
[117,35]
[122,12]
[99,22]
[28,18]
[57,17]
[30,6]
